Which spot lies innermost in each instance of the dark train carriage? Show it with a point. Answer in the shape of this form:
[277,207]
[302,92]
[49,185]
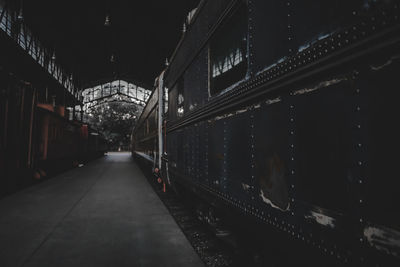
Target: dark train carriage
[96,144]
[35,136]
[61,143]
[17,110]
[37,139]
[145,136]
[285,111]
[58,140]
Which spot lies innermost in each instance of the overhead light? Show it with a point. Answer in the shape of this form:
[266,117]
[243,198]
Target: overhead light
[112,59]
[53,57]
[166,62]
[20,15]
[107,21]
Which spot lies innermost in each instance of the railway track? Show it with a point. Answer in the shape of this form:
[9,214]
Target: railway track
[216,248]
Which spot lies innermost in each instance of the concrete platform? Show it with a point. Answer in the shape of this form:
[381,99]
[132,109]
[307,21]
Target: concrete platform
[102,214]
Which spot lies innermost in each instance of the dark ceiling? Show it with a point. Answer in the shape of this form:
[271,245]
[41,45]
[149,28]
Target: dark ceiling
[141,36]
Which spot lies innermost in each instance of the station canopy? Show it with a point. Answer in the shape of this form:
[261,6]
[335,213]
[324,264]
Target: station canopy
[115,91]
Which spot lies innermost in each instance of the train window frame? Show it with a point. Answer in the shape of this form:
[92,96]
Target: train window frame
[232,65]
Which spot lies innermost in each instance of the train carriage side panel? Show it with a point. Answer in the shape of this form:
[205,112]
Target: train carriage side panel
[297,141]
[145,132]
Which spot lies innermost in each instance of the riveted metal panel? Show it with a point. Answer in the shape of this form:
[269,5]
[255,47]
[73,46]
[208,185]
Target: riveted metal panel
[238,154]
[312,19]
[202,153]
[216,171]
[271,140]
[379,109]
[269,33]
[323,125]
[172,149]
[195,157]
[180,150]
[188,145]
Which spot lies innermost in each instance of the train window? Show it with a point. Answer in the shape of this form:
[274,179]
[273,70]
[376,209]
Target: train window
[181,99]
[165,100]
[172,103]
[228,52]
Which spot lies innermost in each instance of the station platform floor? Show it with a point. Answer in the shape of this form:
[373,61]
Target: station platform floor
[102,214]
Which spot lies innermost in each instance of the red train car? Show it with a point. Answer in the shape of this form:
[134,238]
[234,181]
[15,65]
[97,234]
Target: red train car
[38,140]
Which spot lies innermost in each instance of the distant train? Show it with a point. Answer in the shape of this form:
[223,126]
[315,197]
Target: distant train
[37,139]
[287,112]
[62,143]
